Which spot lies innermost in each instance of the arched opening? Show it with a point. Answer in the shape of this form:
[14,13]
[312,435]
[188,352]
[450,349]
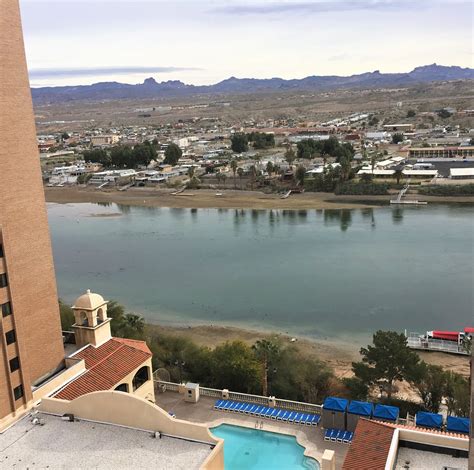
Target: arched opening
[83,319]
[101,315]
[142,376]
[122,388]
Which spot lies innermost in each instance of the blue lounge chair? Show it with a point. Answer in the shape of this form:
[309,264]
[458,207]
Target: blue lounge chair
[292,416]
[340,435]
[225,405]
[333,435]
[250,410]
[298,418]
[217,403]
[240,407]
[256,411]
[242,410]
[327,434]
[345,437]
[269,412]
[307,419]
[284,416]
[316,420]
[262,412]
[234,405]
[278,413]
[303,418]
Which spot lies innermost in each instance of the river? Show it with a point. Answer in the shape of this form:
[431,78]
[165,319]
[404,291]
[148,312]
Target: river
[319,273]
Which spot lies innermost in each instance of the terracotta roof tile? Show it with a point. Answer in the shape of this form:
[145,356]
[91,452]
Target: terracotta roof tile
[370,446]
[428,430]
[106,366]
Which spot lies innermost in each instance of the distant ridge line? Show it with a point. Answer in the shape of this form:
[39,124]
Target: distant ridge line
[150,88]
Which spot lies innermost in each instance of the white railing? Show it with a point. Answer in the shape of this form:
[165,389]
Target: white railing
[416,341]
[244,397]
[298,406]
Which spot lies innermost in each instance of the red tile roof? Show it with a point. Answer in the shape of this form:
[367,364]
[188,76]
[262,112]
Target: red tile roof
[106,366]
[370,446]
[428,430]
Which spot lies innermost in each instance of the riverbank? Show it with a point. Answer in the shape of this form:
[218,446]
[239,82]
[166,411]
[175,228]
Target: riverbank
[230,199]
[337,354]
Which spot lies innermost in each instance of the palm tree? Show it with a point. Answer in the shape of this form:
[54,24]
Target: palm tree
[290,156]
[253,175]
[240,172]
[191,171]
[398,175]
[234,165]
[265,350]
[269,168]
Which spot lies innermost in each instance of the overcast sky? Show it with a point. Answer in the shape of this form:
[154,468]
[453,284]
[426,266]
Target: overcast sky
[202,42]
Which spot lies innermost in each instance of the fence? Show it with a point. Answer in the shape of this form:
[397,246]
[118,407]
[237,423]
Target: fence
[415,341]
[244,397]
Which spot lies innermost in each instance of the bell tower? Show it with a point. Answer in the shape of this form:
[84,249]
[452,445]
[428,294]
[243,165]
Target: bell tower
[92,326]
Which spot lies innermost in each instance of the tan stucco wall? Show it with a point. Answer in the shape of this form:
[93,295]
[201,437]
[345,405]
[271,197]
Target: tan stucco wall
[128,410]
[147,390]
[95,336]
[442,440]
[61,379]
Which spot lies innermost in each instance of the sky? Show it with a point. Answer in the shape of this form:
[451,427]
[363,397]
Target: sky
[77,42]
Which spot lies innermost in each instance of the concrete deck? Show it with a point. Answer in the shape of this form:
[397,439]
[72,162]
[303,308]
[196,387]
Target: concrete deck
[61,444]
[310,437]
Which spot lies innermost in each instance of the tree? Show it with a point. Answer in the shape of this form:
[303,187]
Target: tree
[64,136]
[191,171]
[430,382]
[290,156]
[261,140]
[411,113]
[444,114]
[300,174]
[397,138]
[239,142]
[358,390]
[366,178]
[373,121]
[457,394]
[67,316]
[142,155]
[265,351]
[398,175]
[121,156]
[97,156]
[269,168]
[240,172]
[235,367]
[234,165]
[389,359]
[253,176]
[172,154]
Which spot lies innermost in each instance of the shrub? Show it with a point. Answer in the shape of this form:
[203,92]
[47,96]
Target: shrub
[362,189]
[448,190]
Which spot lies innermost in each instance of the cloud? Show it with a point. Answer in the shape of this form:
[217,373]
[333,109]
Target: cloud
[307,7]
[42,73]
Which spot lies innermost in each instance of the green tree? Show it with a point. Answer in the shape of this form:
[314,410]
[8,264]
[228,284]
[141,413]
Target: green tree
[240,172]
[100,156]
[411,113]
[444,114]
[366,178]
[265,351]
[430,382]
[269,168]
[397,138]
[67,316]
[290,156]
[234,165]
[457,394]
[235,367]
[239,142]
[300,174]
[358,390]
[389,359]
[398,175]
[121,156]
[65,136]
[172,154]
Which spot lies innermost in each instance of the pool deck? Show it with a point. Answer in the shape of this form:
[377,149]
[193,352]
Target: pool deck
[310,437]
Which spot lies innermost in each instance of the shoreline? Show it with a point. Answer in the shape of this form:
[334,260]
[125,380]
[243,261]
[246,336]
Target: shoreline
[338,354]
[231,199]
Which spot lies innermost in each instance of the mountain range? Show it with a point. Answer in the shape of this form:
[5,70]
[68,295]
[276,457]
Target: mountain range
[150,88]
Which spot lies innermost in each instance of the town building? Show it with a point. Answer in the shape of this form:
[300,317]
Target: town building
[104,140]
[441,152]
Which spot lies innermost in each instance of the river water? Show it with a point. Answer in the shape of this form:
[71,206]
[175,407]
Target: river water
[321,273]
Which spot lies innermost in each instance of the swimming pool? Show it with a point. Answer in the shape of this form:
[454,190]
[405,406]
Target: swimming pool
[252,449]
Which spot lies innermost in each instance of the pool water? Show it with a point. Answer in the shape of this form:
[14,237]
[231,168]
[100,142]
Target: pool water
[252,449]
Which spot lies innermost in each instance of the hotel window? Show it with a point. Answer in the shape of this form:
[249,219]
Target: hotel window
[3,280]
[10,336]
[1,250]
[14,364]
[6,309]
[18,392]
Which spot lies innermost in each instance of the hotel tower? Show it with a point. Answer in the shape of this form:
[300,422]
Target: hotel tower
[31,348]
